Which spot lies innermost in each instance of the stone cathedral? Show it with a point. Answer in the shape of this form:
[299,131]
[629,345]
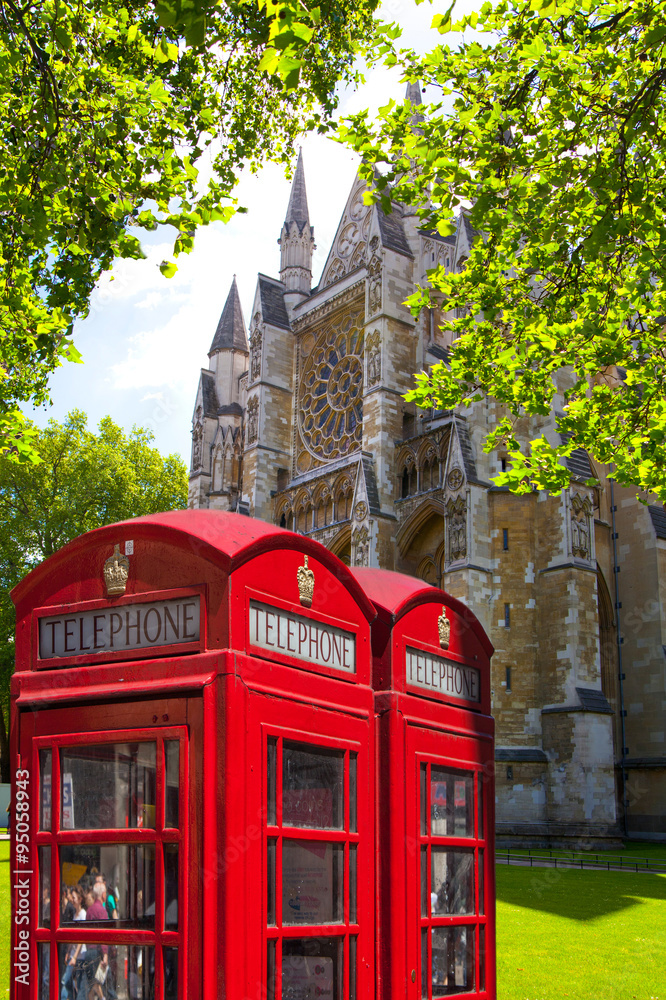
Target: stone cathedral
[300,420]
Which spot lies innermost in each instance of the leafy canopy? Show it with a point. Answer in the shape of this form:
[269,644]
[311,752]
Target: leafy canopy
[109,111]
[83,481]
[549,121]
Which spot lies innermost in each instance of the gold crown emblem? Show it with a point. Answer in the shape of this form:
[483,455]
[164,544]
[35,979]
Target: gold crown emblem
[305,579]
[116,572]
[444,626]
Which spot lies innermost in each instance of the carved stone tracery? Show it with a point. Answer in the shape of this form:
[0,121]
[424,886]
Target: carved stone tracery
[255,353]
[456,525]
[330,411]
[581,513]
[252,419]
[374,358]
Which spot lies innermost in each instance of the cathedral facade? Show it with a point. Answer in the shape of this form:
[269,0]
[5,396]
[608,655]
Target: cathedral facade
[300,420]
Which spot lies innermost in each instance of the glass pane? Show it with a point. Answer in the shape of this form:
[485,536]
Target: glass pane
[45,789]
[170,974]
[352,967]
[172,782]
[312,967]
[44,886]
[44,964]
[312,783]
[123,971]
[352,792]
[481,899]
[482,958]
[452,881]
[352,884]
[480,804]
[270,782]
[171,887]
[117,879]
[452,960]
[270,883]
[270,970]
[451,803]
[425,909]
[424,800]
[425,967]
[110,786]
[312,882]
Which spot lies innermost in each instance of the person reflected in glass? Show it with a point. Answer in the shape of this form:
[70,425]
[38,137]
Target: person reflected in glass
[75,955]
[109,902]
[97,956]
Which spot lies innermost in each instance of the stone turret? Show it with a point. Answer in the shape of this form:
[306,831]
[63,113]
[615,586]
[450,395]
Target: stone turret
[297,242]
[229,350]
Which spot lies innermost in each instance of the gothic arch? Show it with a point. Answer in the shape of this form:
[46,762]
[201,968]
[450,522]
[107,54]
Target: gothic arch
[341,545]
[284,516]
[343,495]
[323,505]
[408,531]
[428,572]
[607,640]
[407,473]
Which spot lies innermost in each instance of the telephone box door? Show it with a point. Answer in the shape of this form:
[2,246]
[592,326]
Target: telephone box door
[111,801]
[450,818]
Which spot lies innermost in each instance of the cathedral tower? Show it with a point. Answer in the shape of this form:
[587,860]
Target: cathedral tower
[297,242]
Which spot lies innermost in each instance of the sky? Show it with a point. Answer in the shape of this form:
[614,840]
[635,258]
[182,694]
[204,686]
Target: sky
[147,337]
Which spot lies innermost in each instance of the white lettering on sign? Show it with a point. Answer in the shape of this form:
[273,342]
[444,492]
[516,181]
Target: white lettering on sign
[433,673]
[304,639]
[136,626]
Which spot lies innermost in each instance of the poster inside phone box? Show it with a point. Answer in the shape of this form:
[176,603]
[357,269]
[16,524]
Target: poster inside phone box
[243,770]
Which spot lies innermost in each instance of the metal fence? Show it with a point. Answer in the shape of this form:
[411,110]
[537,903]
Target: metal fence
[576,859]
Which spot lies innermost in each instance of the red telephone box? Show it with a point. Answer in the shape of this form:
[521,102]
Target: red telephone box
[435,792]
[192,717]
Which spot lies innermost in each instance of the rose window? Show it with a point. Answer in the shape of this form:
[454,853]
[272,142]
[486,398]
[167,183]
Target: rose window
[331,410]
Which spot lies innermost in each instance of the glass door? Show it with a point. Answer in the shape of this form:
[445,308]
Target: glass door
[112,855]
[452,859]
[310,845]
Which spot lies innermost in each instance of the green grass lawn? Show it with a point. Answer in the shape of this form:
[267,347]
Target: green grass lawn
[561,933]
[580,935]
[631,849]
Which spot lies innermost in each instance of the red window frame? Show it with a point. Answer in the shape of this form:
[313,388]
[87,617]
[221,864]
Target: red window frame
[346,930]
[478,844]
[159,938]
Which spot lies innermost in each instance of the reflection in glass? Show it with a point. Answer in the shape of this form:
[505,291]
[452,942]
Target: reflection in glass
[482,958]
[312,882]
[312,967]
[170,974]
[480,802]
[481,899]
[424,800]
[45,789]
[352,884]
[312,787]
[452,881]
[171,887]
[352,792]
[129,872]
[44,966]
[271,754]
[451,803]
[425,909]
[352,967]
[130,976]
[270,971]
[171,782]
[425,968]
[270,883]
[452,960]
[110,786]
[44,886]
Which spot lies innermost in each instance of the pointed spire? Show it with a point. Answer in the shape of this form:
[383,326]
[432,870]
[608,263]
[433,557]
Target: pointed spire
[297,210]
[413,93]
[230,333]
